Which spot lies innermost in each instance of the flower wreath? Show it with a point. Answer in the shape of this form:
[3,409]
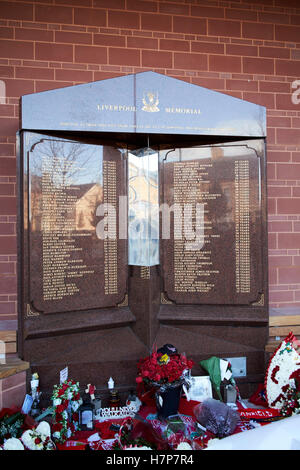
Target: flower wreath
[38,438]
[284,362]
[66,401]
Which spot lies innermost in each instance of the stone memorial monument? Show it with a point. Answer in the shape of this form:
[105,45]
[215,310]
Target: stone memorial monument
[142,209]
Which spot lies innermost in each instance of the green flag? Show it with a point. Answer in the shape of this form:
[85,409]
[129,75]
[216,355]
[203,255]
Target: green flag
[212,366]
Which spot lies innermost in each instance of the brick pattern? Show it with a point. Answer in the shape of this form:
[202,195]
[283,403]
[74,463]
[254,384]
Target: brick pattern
[13,390]
[246,48]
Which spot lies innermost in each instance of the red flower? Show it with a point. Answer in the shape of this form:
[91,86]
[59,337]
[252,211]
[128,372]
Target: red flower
[72,428]
[58,417]
[57,427]
[60,409]
[295,374]
[151,369]
[37,440]
[274,372]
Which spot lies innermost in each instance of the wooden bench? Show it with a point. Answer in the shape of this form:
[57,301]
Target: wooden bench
[279,327]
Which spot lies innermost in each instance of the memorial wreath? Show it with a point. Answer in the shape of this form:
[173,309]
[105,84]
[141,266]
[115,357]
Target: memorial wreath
[283,377]
[66,401]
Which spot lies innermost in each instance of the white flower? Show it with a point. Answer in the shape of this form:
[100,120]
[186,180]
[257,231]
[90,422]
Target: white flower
[44,430]
[138,448]
[212,441]
[13,444]
[56,402]
[28,438]
[184,446]
[76,404]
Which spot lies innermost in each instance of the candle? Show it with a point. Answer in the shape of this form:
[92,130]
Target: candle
[111,383]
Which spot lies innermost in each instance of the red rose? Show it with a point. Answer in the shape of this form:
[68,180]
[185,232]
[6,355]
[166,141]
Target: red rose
[139,379]
[57,427]
[60,409]
[37,440]
[58,417]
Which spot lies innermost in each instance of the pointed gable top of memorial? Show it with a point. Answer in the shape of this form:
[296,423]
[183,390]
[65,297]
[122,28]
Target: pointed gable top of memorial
[145,103]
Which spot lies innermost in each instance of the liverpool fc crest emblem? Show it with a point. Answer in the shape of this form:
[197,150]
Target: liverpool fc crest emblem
[150,102]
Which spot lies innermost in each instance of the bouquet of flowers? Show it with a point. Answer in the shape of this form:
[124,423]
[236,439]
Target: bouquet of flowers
[165,372]
[11,426]
[291,395]
[66,401]
[163,367]
[138,434]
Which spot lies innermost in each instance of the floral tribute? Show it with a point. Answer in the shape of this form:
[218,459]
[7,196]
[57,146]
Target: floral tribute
[161,369]
[66,401]
[11,425]
[282,377]
[126,441]
[38,438]
[291,401]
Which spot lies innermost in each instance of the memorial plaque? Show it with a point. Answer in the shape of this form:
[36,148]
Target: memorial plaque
[213,253]
[75,257]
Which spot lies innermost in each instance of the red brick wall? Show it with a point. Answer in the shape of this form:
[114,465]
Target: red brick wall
[246,48]
[12,390]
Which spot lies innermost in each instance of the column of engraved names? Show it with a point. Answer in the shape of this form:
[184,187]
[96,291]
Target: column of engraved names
[110,243]
[191,263]
[242,227]
[59,265]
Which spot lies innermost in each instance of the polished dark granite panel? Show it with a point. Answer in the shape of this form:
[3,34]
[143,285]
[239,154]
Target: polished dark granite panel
[222,262]
[71,266]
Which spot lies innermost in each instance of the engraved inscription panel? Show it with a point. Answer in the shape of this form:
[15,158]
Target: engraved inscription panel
[73,266]
[110,244]
[213,253]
